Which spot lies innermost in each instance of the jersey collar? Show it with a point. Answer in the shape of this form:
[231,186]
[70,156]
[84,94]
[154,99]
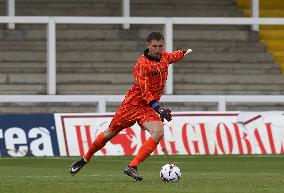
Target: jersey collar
[146,54]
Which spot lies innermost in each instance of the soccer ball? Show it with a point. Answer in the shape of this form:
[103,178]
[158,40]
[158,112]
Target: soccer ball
[170,173]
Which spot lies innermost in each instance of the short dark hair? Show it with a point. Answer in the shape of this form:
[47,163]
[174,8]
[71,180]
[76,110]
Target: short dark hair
[155,36]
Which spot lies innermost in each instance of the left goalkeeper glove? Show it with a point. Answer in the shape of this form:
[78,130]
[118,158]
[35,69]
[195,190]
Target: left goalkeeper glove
[186,51]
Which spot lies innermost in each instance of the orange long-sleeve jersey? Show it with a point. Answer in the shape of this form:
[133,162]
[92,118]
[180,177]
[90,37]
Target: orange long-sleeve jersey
[150,76]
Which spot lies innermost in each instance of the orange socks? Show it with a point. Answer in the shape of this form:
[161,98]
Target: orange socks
[96,146]
[145,150]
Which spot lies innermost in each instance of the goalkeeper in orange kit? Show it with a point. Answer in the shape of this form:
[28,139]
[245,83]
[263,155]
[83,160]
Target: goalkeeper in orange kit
[141,104]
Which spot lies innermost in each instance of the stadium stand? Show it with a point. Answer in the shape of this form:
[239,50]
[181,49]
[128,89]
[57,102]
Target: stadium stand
[98,59]
[271,35]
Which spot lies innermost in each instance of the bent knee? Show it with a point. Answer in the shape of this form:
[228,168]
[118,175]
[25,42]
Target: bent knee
[158,134]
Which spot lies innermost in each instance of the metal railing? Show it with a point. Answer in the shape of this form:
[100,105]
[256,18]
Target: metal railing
[11,4]
[11,11]
[102,100]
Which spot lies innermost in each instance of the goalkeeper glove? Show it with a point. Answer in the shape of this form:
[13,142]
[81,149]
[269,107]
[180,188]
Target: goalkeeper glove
[186,51]
[164,113]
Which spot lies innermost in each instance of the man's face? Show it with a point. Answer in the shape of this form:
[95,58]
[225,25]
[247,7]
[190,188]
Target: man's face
[155,47]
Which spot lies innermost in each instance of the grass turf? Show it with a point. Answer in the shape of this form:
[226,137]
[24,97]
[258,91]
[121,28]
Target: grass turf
[200,174]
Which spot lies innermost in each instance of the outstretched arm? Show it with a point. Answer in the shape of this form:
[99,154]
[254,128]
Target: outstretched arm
[178,55]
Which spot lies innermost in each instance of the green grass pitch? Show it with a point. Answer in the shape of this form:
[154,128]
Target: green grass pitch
[200,174]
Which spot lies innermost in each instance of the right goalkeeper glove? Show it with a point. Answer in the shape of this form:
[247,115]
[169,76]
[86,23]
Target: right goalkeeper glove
[164,113]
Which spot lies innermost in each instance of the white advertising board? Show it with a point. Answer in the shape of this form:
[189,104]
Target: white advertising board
[189,133]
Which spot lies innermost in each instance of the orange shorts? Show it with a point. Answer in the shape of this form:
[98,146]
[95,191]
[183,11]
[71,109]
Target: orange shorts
[127,115]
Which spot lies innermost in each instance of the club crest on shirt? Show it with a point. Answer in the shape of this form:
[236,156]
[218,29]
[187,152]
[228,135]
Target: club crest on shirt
[154,73]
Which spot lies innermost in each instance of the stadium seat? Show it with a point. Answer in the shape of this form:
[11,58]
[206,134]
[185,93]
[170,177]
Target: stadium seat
[271,35]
